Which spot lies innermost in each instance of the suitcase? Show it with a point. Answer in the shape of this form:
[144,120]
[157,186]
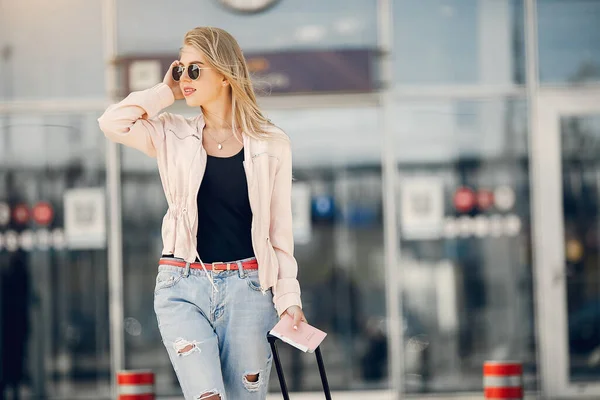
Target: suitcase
[284,390]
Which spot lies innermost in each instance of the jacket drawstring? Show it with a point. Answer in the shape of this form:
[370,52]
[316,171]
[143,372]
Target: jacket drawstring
[189,229]
[204,268]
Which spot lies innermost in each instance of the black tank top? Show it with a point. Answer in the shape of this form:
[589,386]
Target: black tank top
[224,214]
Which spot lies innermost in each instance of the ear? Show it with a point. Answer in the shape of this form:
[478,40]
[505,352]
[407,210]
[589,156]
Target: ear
[225,82]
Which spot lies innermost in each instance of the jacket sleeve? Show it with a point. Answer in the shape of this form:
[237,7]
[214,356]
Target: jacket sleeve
[286,292]
[134,122]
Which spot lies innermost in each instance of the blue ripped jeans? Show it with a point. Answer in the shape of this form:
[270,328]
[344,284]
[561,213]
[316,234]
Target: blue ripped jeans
[216,339]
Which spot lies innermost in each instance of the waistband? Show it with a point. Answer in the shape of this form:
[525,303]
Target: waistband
[249,264]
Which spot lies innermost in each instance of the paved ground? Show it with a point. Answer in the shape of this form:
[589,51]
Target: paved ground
[370,396]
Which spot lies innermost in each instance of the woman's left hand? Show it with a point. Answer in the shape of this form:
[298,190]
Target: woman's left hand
[297,315]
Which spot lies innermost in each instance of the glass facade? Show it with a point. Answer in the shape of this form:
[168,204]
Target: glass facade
[469,42]
[569,41]
[462,276]
[317,25]
[54,298]
[460,141]
[51,58]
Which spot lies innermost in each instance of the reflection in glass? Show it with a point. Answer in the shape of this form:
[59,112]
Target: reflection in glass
[464,223]
[341,273]
[54,299]
[569,41]
[580,138]
[459,42]
[144,206]
[73,67]
[318,25]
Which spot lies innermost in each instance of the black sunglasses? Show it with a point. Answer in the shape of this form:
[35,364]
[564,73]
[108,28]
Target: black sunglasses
[193,71]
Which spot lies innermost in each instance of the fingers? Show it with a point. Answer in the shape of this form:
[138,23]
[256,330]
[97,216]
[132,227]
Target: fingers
[297,319]
[169,81]
[168,73]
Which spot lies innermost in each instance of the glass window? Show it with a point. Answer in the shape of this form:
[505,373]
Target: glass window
[316,25]
[53,296]
[51,49]
[339,247]
[459,42]
[569,41]
[337,159]
[143,207]
[464,223]
[580,187]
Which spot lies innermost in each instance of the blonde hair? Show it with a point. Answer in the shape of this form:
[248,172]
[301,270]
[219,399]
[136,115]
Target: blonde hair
[225,55]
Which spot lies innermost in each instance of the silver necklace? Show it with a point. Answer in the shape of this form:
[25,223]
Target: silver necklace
[220,144]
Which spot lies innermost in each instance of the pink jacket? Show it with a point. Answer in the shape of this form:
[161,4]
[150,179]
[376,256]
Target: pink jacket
[176,143]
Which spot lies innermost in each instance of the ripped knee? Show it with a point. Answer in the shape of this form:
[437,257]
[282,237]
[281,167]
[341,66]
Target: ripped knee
[211,395]
[252,381]
[185,348]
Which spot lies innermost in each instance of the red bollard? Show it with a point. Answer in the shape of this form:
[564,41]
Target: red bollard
[135,385]
[503,380]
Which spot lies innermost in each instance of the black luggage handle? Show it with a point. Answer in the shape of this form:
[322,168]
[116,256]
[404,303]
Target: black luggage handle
[284,390]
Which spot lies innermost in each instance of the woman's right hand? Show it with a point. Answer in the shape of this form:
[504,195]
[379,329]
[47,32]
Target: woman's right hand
[168,80]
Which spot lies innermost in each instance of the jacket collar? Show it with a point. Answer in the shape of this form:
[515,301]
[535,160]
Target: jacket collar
[200,124]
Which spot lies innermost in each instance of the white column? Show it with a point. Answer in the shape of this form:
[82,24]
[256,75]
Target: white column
[535,141]
[390,226]
[113,185]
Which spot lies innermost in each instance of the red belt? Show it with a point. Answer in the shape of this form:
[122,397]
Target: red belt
[216,266]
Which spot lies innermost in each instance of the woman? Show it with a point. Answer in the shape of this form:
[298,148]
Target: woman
[227,270]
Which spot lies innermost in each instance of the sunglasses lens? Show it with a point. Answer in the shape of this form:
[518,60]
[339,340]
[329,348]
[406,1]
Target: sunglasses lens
[194,72]
[176,73]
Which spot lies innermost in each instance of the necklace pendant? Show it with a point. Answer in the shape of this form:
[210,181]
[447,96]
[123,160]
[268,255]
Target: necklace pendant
[219,146]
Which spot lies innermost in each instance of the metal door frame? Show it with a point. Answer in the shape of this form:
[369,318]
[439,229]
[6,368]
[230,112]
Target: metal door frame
[549,252]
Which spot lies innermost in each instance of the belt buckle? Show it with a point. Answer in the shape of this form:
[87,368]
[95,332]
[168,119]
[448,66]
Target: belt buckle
[222,263]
